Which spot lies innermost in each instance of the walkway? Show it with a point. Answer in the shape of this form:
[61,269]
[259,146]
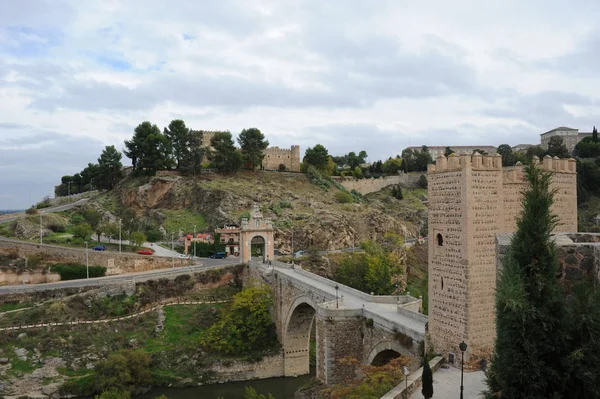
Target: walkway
[354,299]
[446,384]
[74,323]
[13,216]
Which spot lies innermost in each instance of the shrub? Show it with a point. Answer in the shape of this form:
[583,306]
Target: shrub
[343,197]
[125,370]
[153,234]
[369,322]
[397,192]
[73,271]
[285,204]
[31,211]
[422,181]
[114,394]
[83,231]
[317,178]
[276,209]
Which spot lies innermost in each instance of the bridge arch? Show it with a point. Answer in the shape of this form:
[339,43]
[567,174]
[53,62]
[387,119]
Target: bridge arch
[385,351]
[296,338]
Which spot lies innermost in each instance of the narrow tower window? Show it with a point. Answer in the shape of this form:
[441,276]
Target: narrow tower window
[440,240]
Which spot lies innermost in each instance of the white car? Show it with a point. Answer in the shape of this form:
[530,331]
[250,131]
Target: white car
[184,256]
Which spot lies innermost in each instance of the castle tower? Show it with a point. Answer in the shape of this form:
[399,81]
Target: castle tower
[471,199]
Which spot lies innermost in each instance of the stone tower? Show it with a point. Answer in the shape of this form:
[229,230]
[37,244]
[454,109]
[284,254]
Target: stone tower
[471,199]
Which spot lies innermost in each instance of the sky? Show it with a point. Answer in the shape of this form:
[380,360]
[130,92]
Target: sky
[76,76]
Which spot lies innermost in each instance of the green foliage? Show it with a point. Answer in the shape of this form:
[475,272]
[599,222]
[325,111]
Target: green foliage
[127,370]
[343,197]
[179,136]
[224,154]
[317,156]
[316,178]
[392,165]
[374,270]
[92,217]
[276,209]
[253,144]
[557,148]
[31,211]
[530,308]
[149,149]
[357,172]
[588,148]
[397,192]
[83,231]
[413,160]
[285,204]
[422,183]
[427,381]
[110,168]
[138,238]
[251,393]
[449,151]
[114,393]
[153,234]
[508,157]
[44,204]
[190,162]
[74,271]
[245,326]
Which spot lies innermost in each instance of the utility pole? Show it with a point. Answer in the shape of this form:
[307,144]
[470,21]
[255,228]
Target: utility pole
[87,263]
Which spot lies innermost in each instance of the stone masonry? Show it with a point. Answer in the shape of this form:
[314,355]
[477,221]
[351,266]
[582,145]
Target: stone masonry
[471,199]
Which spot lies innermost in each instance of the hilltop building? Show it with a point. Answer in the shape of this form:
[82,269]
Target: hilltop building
[471,199]
[274,158]
[569,135]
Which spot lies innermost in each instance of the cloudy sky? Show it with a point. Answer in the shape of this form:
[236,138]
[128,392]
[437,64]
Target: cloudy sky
[349,74]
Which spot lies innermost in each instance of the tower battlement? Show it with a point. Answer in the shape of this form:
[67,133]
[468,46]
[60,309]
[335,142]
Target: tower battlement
[471,199]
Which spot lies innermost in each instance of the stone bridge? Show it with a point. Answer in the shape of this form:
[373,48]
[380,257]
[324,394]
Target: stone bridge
[346,322]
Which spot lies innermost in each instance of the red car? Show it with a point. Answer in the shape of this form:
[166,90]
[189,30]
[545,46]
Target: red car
[145,251]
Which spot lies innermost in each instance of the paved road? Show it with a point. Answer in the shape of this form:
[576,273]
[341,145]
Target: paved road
[14,216]
[201,264]
[446,384]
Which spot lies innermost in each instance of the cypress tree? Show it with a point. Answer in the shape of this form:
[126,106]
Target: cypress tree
[595,135]
[530,305]
[427,380]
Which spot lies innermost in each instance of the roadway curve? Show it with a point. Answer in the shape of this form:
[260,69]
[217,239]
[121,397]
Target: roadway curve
[14,216]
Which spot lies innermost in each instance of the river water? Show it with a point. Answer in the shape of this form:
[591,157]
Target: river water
[280,388]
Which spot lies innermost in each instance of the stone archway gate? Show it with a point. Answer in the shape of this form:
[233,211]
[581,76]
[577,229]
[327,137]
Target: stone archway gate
[256,226]
[355,325]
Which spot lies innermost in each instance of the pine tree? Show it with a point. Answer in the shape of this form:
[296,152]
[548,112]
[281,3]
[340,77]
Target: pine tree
[109,168]
[427,380]
[530,305]
[224,154]
[595,135]
[253,145]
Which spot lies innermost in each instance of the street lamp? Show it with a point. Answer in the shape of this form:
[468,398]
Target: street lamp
[87,264]
[336,295]
[194,241]
[463,347]
[41,229]
[172,252]
[406,372]
[119,235]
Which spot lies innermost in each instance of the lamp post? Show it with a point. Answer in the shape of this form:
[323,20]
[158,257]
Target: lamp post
[463,347]
[87,264]
[119,235]
[194,241]
[172,251]
[336,295]
[41,229]
[406,372]
[292,246]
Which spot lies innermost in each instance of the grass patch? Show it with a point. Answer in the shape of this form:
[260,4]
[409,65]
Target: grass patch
[6,307]
[184,219]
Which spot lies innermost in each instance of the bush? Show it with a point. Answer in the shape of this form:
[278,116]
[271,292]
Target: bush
[397,192]
[114,394]
[276,209]
[317,178]
[343,197]
[31,211]
[125,370]
[422,181]
[285,204]
[154,235]
[83,231]
[74,271]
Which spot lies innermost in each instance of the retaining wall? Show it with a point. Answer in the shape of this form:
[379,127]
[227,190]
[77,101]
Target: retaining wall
[367,186]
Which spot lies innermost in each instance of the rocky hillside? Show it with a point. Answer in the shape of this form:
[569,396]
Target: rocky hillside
[315,215]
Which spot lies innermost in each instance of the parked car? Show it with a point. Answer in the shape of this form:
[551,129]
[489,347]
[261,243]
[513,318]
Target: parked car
[145,251]
[184,256]
[300,253]
[219,255]
[99,248]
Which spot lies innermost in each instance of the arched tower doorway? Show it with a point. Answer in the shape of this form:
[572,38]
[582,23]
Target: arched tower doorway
[296,341]
[256,232]
[257,247]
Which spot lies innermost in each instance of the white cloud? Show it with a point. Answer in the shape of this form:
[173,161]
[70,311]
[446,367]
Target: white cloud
[354,75]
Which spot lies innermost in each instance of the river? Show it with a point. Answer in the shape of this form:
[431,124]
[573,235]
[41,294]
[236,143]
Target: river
[280,388]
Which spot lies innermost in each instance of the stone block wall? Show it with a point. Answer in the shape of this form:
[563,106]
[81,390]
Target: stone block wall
[367,186]
[275,156]
[268,367]
[115,263]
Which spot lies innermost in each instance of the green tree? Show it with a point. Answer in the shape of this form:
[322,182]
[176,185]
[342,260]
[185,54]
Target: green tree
[179,137]
[357,172]
[110,169]
[422,159]
[114,393]
[397,192]
[253,145]
[317,156]
[587,148]
[224,154]
[251,393]
[245,326]
[530,310]
[83,231]
[409,159]
[556,148]
[149,149]
[191,159]
[138,238]
[427,380]
[595,135]
[422,181]
[508,157]
[392,165]
[448,151]
[92,216]
[127,370]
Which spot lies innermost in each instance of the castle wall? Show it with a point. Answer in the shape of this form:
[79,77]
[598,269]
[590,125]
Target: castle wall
[472,199]
[275,156]
[372,185]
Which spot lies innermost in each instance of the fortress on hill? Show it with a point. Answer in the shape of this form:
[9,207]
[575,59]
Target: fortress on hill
[471,199]
[274,156]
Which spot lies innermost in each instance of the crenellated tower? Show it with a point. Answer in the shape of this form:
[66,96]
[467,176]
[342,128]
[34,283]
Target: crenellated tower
[471,199]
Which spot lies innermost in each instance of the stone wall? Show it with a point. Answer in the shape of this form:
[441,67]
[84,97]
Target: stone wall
[10,277]
[275,156]
[269,367]
[471,199]
[367,186]
[115,263]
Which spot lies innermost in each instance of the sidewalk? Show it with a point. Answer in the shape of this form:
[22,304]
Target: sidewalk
[446,384]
